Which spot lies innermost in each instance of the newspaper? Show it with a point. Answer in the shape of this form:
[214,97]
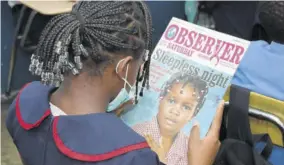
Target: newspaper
[191,68]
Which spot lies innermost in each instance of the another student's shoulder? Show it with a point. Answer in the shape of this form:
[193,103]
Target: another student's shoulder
[257,47]
[258,44]
[255,50]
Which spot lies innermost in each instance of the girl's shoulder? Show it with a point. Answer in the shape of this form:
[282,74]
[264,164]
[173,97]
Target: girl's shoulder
[83,138]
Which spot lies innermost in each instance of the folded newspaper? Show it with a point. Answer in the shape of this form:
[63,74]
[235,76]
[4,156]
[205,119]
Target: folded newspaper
[191,68]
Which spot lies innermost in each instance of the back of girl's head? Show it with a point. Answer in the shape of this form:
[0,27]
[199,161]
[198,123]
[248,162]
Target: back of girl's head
[271,16]
[199,86]
[90,37]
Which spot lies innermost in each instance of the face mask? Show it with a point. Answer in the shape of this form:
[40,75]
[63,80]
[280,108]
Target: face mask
[123,96]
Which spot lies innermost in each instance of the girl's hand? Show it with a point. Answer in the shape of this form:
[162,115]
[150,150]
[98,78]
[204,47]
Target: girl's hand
[204,151]
[156,148]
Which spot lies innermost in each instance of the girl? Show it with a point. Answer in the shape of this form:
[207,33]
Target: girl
[181,99]
[88,61]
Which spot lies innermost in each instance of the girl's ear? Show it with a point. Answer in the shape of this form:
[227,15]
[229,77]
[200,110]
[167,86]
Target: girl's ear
[122,65]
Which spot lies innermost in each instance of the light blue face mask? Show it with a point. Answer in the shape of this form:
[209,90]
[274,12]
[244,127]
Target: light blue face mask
[123,96]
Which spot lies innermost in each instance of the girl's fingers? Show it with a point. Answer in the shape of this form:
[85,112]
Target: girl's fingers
[194,136]
[216,124]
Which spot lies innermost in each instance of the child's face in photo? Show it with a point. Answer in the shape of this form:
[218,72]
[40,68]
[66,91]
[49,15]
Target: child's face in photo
[176,108]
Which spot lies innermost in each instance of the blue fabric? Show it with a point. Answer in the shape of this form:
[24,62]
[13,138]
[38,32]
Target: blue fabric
[34,101]
[91,134]
[108,133]
[262,69]
[277,155]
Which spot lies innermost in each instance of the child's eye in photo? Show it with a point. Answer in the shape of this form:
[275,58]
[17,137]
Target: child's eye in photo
[171,101]
[186,107]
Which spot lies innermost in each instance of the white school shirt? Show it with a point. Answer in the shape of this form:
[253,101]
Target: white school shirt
[55,111]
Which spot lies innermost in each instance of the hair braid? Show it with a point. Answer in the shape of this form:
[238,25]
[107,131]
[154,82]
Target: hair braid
[56,47]
[148,36]
[89,38]
[47,30]
[38,58]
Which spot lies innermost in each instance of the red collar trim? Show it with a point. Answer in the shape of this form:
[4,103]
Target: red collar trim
[92,157]
[23,124]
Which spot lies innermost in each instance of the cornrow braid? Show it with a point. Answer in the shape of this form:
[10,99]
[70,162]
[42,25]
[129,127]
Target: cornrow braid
[200,87]
[90,36]
[146,67]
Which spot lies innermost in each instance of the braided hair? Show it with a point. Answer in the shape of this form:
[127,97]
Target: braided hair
[200,87]
[271,16]
[92,34]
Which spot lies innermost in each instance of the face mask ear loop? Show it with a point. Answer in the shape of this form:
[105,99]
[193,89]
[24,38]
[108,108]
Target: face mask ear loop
[116,68]
[126,74]
[125,79]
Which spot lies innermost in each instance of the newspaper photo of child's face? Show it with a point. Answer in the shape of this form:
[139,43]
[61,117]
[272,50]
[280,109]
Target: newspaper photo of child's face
[180,99]
[176,108]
